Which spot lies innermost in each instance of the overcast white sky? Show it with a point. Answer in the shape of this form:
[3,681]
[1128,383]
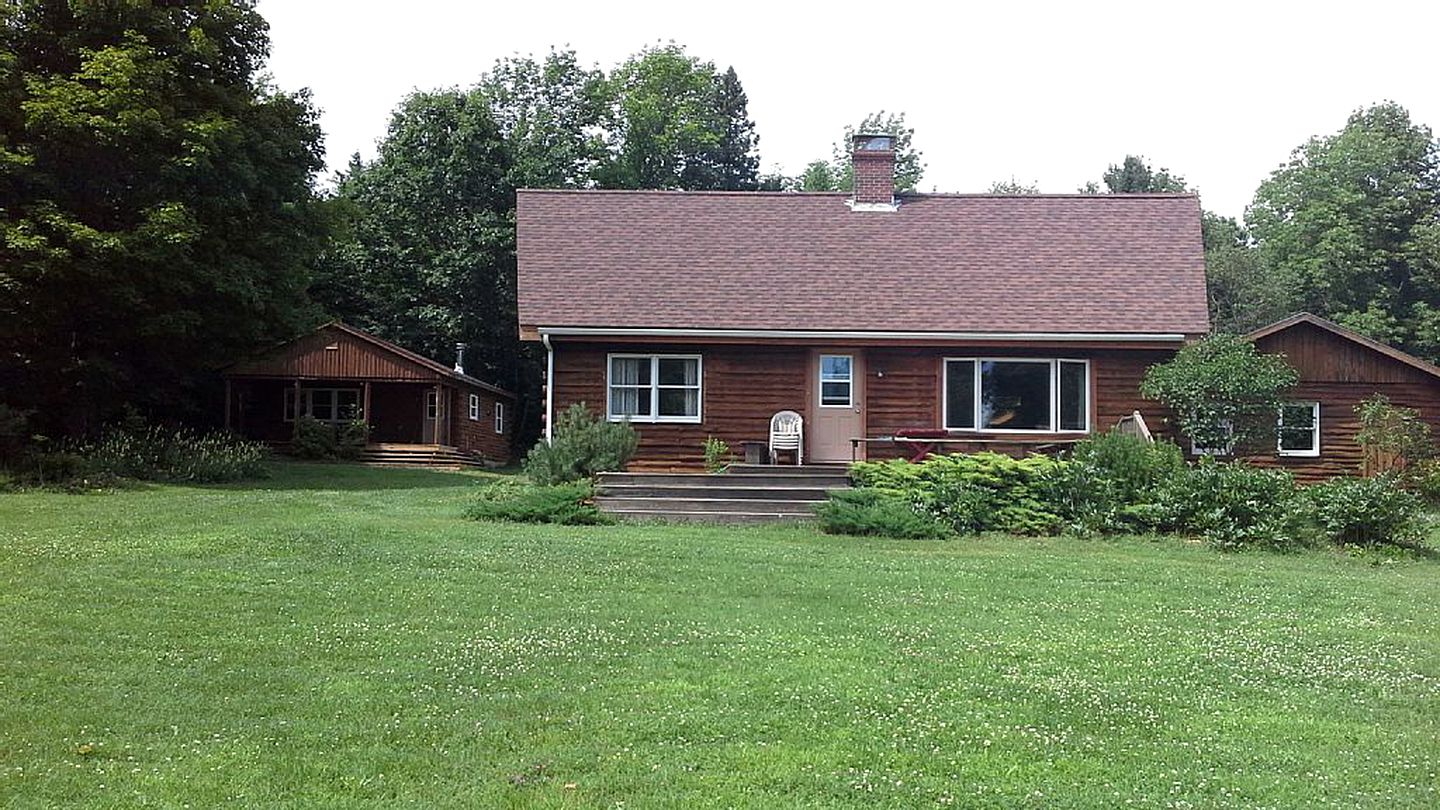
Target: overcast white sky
[1219,92]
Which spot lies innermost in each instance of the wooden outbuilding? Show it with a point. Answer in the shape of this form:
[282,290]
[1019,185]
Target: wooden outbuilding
[1338,368]
[417,410]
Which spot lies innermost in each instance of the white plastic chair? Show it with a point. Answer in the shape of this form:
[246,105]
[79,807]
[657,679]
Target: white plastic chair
[787,430]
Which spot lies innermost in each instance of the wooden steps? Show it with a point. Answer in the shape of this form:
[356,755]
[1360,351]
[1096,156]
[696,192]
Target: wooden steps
[433,456]
[742,494]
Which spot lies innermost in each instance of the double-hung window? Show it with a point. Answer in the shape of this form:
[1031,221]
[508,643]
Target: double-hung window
[475,407]
[1299,429]
[499,417]
[1017,394]
[653,388]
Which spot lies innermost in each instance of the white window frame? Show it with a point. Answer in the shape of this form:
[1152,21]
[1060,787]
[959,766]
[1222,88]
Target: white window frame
[654,416]
[474,407]
[432,406]
[307,397]
[499,417]
[1314,451]
[849,383]
[977,369]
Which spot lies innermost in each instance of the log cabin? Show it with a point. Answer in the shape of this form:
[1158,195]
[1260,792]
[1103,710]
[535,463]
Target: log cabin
[892,322]
[418,411]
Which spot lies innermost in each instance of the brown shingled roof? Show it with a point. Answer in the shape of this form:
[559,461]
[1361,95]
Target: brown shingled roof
[1129,264]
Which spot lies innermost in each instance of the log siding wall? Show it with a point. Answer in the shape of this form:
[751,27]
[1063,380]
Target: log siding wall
[745,384]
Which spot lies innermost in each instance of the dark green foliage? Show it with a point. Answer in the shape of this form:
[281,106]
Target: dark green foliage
[1367,511]
[675,122]
[971,493]
[426,257]
[351,438]
[157,215]
[1397,436]
[1233,506]
[14,433]
[880,513]
[582,444]
[568,504]
[179,455]
[1224,393]
[1110,481]
[312,439]
[1134,175]
[316,440]
[549,112]
[1350,227]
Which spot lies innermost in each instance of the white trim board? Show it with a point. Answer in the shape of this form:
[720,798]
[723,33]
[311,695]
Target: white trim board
[1077,337]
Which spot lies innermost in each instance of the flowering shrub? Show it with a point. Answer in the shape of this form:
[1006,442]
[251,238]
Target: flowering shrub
[162,454]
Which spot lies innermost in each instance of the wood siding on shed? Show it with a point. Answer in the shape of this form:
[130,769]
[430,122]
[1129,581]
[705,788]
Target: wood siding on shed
[310,357]
[478,436]
[745,384]
[1339,374]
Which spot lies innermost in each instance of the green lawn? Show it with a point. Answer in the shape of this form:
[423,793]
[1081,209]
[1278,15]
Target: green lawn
[338,636]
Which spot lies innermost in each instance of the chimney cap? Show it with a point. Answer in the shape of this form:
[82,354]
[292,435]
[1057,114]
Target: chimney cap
[874,142]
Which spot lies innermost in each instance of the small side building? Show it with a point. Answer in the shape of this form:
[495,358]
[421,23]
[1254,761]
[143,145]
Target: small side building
[1338,370]
[418,410]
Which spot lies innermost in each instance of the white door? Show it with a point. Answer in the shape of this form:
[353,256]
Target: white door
[431,413]
[837,406]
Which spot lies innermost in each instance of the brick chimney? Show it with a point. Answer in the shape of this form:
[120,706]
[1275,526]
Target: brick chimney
[873,160]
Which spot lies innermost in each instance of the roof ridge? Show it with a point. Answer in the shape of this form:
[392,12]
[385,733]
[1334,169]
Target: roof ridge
[972,195]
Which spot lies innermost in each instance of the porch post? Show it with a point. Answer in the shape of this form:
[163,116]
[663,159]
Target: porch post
[227,404]
[365,410]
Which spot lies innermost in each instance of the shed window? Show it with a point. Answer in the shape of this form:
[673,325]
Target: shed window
[1019,395]
[1299,429]
[499,417]
[432,405]
[654,388]
[475,407]
[331,405]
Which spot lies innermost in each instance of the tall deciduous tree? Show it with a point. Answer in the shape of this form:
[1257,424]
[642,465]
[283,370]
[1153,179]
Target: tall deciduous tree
[1134,175]
[1351,227]
[677,123]
[157,215]
[549,112]
[427,257]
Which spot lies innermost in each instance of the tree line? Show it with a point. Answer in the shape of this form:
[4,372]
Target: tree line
[160,216]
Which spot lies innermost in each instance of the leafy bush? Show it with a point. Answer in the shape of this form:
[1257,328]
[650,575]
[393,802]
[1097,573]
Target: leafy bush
[161,454]
[1224,393]
[1234,506]
[1398,436]
[581,445]
[872,512]
[14,433]
[1110,482]
[516,501]
[1366,511]
[313,440]
[972,493]
[351,438]
[717,454]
